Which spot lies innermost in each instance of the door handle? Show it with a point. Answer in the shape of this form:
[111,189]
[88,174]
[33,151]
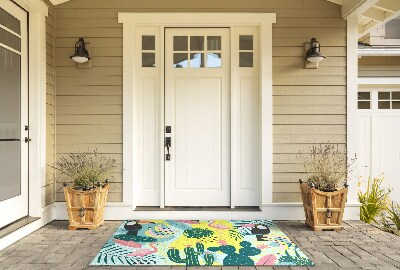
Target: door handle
[168,145]
[10,140]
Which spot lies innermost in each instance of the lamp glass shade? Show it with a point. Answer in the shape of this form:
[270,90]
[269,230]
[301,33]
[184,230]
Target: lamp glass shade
[79,59]
[315,58]
[81,54]
[313,54]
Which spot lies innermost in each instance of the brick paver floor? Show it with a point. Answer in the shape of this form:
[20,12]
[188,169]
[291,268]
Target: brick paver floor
[358,246]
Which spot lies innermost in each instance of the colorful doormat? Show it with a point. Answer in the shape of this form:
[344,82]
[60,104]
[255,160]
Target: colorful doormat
[198,243]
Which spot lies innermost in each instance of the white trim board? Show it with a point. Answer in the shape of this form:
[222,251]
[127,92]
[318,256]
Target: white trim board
[379,52]
[37,12]
[132,126]
[378,80]
[47,216]
[271,211]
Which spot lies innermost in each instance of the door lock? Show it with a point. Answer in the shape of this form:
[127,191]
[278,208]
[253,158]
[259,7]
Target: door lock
[27,140]
[168,145]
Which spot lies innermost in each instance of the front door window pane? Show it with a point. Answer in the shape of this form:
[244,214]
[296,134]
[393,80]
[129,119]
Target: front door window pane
[180,43]
[396,105]
[214,60]
[10,40]
[197,60]
[214,43]
[384,95]
[196,43]
[384,105]
[10,123]
[396,95]
[180,60]
[9,21]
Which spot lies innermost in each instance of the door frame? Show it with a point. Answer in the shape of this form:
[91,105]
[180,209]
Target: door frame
[37,13]
[131,115]
[18,205]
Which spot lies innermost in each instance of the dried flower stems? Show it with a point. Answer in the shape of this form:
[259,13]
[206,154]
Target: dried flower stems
[85,169]
[325,167]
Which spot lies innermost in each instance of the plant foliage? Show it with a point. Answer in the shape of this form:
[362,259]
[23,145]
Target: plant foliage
[325,167]
[85,169]
[374,200]
[393,214]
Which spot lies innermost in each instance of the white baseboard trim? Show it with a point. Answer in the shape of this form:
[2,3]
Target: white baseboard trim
[47,216]
[273,211]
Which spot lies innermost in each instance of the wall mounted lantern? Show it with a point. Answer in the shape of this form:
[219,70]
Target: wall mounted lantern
[81,54]
[313,54]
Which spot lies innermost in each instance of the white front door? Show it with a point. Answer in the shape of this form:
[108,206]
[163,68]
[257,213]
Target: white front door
[13,113]
[379,133]
[197,109]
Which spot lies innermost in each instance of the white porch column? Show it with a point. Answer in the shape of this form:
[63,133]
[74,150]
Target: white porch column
[352,87]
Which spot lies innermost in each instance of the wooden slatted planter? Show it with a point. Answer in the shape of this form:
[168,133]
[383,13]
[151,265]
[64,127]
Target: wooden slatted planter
[323,210]
[86,208]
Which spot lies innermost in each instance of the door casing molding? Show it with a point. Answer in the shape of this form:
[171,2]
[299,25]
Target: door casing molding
[131,117]
[37,12]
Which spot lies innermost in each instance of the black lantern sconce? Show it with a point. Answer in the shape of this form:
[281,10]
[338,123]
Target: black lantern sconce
[81,54]
[313,54]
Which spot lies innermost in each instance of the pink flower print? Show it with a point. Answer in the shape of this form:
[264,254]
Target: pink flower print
[248,225]
[222,242]
[130,244]
[262,246]
[267,260]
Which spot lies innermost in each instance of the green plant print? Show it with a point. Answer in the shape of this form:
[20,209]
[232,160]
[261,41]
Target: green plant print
[294,260]
[197,233]
[192,256]
[135,238]
[241,258]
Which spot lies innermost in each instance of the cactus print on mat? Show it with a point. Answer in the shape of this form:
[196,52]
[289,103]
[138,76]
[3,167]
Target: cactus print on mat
[200,243]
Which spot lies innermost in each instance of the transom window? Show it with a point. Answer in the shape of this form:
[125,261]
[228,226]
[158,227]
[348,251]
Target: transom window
[197,52]
[389,100]
[381,100]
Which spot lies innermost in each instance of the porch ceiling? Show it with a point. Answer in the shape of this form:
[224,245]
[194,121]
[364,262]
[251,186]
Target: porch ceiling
[371,13]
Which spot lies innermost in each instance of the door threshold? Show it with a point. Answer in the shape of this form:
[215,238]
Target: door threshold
[8,229]
[200,208]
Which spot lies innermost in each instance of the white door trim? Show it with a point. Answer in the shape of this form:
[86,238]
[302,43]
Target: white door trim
[37,12]
[17,207]
[37,120]
[131,117]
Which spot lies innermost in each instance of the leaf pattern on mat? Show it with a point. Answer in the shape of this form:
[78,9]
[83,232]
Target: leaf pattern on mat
[226,242]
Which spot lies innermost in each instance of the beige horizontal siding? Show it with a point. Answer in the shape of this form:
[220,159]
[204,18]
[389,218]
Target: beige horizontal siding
[379,66]
[49,186]
[309,104]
